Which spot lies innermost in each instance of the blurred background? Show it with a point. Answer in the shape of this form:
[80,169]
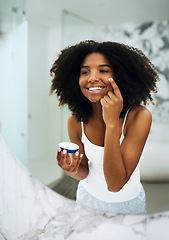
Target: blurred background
[32,34]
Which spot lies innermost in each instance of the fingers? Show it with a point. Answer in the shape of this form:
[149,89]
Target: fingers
[113,100]
[76,161]
[77,158]
[103,101]
[59,154]
[115,88]
[115,95]
[64,160]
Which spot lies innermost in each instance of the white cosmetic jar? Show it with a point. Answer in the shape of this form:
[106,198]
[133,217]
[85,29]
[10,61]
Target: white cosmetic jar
[69,147]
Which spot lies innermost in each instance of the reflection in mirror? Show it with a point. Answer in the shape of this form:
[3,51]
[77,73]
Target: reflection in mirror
[31,122]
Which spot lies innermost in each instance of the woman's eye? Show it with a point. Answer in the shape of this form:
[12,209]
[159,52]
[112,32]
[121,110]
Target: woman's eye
[104,71]
[85,72]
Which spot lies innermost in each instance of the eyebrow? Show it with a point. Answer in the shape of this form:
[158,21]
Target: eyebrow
[102,65]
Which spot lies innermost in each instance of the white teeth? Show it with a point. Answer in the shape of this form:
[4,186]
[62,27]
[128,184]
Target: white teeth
[95,88]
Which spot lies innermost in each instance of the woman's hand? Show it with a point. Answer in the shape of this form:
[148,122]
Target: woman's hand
[64,161]
[112,104]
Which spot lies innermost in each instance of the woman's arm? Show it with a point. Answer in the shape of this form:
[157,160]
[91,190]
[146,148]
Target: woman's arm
[78,169]
[121,160]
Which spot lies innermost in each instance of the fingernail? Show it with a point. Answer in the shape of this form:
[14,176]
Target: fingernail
[76,153]
[64,151]
[111,79]
[59,149]
[81,155]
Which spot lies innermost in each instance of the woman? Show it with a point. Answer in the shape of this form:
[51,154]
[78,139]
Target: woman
[104,85]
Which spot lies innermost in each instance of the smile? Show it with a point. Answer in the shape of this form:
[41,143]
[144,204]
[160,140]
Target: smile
[95,88]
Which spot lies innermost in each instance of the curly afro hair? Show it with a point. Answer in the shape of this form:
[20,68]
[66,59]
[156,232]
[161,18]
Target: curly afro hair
[133,72]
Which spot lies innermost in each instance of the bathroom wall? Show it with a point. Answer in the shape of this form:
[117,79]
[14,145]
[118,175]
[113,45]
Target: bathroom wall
[44,134]
[43,45]
[13,90]
[37,90]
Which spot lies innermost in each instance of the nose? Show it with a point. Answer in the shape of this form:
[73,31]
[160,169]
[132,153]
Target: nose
[93,78]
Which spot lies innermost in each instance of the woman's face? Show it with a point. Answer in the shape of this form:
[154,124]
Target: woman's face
[94,77]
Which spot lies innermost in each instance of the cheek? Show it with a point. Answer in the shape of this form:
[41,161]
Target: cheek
[109,86]
[82,82]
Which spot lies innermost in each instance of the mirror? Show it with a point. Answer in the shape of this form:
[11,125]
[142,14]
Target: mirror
[29,44]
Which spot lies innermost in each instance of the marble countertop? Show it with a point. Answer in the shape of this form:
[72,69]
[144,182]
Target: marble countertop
[30,210]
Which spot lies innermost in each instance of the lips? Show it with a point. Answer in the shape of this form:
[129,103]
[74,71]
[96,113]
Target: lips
[97,88]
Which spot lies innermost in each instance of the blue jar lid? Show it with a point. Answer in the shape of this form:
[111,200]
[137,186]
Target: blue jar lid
[69,147]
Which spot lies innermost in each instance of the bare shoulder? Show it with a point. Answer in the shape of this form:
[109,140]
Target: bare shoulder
[139,118]
[140,113]
[72,119]
[74,127]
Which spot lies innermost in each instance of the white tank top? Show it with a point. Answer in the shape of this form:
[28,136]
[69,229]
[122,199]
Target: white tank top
[95,182]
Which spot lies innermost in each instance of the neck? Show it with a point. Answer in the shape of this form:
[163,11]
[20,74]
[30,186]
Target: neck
[97,111]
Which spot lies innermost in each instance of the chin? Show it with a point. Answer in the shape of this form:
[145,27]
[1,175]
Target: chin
[95,100]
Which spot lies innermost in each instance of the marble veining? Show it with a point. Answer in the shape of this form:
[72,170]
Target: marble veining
[29,211]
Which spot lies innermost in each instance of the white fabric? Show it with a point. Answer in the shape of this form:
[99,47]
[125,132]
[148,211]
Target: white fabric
[95,182]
